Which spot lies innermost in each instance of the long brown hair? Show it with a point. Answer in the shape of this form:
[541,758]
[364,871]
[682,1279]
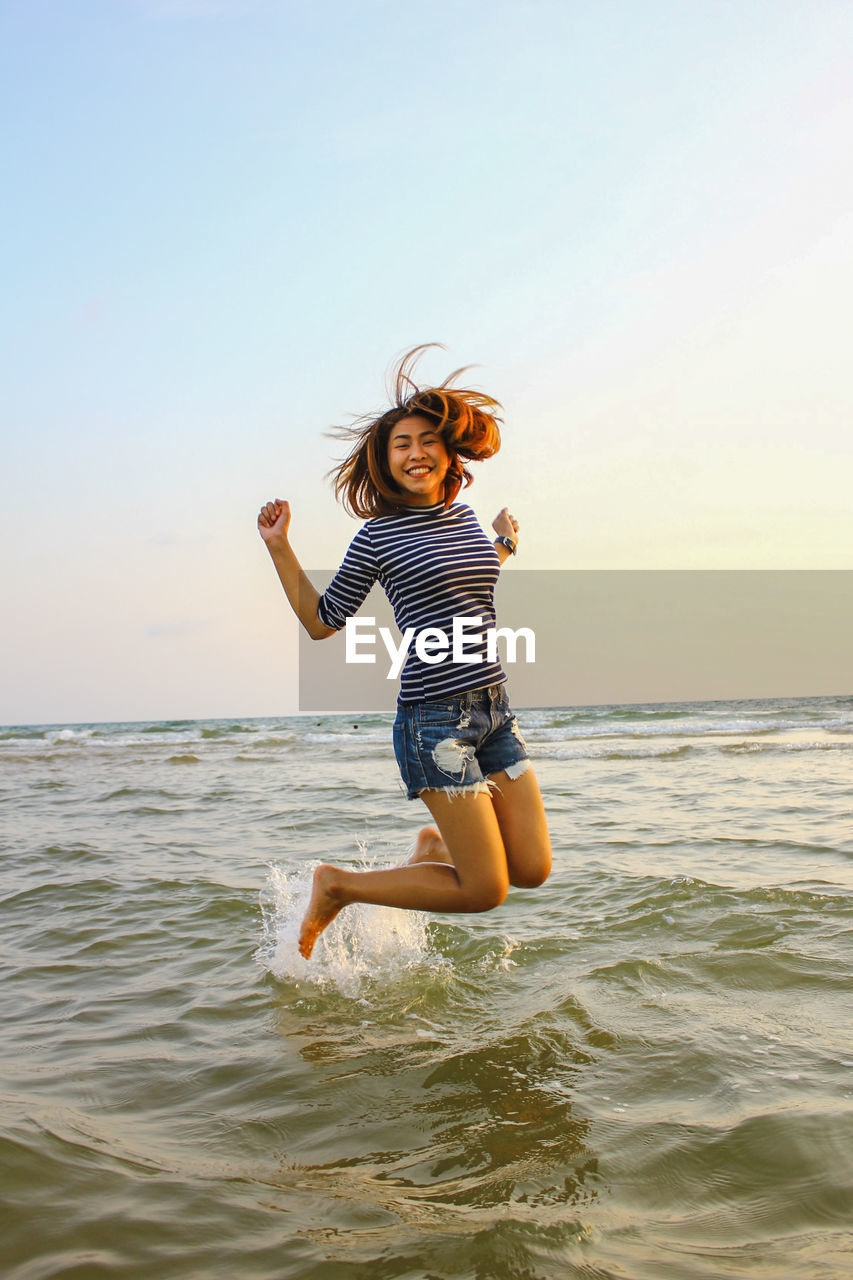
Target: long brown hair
[466,420]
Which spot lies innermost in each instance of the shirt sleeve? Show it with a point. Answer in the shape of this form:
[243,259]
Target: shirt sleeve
[346,593]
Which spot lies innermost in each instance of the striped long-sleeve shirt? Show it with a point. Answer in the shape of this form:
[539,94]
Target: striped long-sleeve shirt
[435,564]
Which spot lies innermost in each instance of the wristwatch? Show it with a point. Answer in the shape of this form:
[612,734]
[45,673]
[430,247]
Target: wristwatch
[508,542]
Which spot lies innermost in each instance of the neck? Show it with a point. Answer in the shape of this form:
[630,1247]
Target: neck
[422,500]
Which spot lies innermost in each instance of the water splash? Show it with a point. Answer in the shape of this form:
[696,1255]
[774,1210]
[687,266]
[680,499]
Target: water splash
[362,944]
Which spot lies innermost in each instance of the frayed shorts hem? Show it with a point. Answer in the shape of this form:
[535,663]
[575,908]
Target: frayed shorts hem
[484,788]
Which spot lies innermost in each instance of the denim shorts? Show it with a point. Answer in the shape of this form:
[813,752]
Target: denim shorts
[455,744]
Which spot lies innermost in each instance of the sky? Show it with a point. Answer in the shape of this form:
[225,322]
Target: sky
[222,221]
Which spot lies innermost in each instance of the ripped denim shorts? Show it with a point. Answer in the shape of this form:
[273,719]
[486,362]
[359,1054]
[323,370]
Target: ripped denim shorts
[455,744]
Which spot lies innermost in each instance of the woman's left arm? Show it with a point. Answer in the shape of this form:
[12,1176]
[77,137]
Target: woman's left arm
[505,526]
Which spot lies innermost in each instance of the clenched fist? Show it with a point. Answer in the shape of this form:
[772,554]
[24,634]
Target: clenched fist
[274,520]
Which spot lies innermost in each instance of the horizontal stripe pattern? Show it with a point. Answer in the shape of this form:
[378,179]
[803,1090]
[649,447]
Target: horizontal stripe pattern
[434,564]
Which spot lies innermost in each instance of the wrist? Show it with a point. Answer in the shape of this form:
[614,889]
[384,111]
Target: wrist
[278,545]
[506,541]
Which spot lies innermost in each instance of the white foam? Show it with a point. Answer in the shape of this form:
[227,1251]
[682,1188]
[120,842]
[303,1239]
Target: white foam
[363,943]
[359,737]
[676,728]
[613,752]
[70,735]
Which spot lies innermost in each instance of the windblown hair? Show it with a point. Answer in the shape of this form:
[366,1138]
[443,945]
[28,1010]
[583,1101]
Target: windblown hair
[466,420]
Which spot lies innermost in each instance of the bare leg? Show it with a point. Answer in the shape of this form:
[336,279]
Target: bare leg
[524,828]
[490,842]
[477,879]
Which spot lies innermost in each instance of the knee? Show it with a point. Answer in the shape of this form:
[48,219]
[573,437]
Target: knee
[530,880]
[532,874]
[487,895]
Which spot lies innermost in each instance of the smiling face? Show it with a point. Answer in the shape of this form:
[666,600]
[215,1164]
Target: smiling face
[418,460]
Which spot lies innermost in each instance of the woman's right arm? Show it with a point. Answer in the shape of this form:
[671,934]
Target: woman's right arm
[273,523]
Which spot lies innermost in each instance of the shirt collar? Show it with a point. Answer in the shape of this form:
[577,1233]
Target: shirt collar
[431,510]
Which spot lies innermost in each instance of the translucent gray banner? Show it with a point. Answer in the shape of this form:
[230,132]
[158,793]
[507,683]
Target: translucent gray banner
[625,636]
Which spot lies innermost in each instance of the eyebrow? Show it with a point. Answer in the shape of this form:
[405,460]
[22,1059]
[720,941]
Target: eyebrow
[405,435]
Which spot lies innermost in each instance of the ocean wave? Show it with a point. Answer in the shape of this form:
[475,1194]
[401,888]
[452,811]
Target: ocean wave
[751,748]
[128,793]
[347,736]
[226,730]
[651,752]
[666,728]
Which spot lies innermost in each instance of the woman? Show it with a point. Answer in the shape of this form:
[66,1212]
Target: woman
[456,740]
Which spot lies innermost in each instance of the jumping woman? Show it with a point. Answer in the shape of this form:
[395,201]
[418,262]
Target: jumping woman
[456,740]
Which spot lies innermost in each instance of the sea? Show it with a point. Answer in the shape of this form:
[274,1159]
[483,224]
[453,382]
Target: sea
[641,1070]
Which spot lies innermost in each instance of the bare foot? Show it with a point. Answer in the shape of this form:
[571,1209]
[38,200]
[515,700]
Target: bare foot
[322,909]
[429,847]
